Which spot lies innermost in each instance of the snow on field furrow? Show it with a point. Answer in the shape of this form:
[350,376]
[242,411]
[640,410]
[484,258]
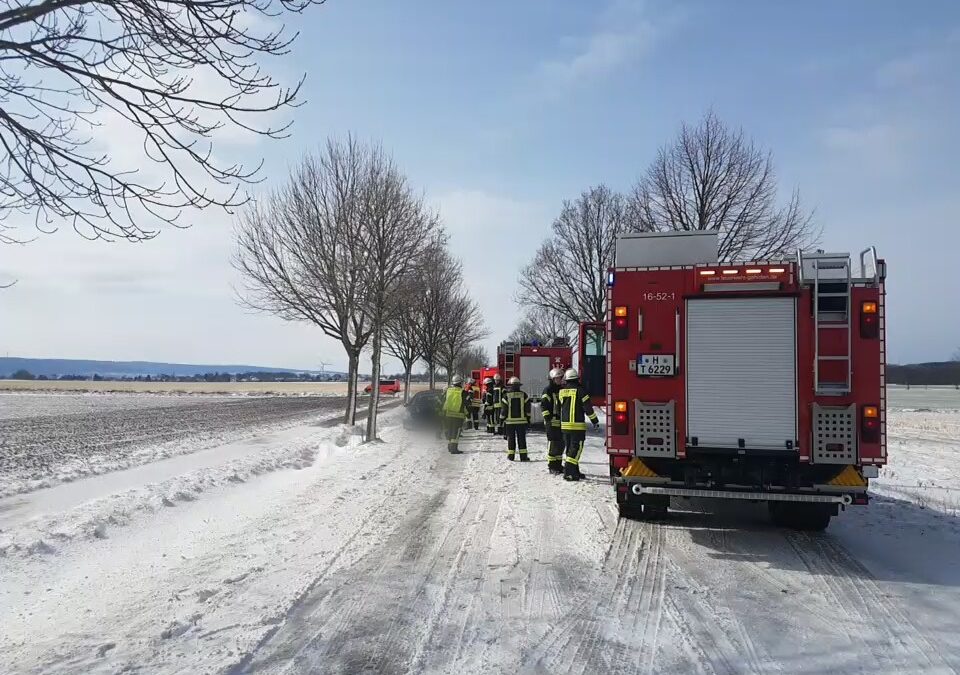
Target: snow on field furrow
[39,452]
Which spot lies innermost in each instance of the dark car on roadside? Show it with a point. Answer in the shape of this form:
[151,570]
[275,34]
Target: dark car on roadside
[423,410]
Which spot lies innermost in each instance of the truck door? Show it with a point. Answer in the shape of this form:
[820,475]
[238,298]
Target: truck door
[741,375]
[593,361]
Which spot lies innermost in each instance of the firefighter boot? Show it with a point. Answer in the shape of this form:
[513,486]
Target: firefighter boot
[555,466]
[523,456]
[571,472]
[510,456]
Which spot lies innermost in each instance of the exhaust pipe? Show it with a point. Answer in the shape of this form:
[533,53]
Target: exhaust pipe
[637,489]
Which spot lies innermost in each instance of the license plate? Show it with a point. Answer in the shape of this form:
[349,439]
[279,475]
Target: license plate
[655,365]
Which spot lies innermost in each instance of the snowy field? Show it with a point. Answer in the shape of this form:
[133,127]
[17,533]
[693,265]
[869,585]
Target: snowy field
[295,549]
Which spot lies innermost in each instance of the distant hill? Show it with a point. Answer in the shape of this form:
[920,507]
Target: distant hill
[54,368]
[941,372]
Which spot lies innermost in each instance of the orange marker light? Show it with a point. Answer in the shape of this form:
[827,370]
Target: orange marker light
[870,411]
[620,311]
[731,271]
[777,270]
[869,308]
[707,273]
[620,406]
[754,270]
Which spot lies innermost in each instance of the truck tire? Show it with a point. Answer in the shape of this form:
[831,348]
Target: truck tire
[805,517]
[630,511]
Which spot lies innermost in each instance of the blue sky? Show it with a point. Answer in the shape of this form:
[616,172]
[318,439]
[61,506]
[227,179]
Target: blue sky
[498,111]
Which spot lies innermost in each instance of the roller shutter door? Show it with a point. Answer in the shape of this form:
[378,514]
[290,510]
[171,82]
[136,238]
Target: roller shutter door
[741,373]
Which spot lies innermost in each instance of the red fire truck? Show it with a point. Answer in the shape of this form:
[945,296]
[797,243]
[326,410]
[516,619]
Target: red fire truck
[479,375]
[760,381]
[532,362]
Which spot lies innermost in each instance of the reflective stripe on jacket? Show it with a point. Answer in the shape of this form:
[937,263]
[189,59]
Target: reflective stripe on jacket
[516,407]
[550,405]
[575,408]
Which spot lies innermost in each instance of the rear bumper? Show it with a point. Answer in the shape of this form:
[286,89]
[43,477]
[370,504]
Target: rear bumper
[638,489]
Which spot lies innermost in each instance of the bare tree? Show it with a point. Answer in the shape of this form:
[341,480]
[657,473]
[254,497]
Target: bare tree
[299,257]
[543,327]
[462,326]
[567,276]
[396,229]
[714,178]
[440,275]
[174,73]
[956,355]
[472,358]
[401,334]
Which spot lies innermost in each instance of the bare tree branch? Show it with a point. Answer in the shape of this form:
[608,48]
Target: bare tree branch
[714,178]
[567,277]
[174,72]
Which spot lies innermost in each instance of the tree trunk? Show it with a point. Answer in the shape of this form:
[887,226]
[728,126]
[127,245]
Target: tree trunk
[431,366]
[408,370]
[375,387]
[353,365]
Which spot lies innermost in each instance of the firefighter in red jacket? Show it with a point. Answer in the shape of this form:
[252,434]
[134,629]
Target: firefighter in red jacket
[515,412]
[575,409]
[550,405]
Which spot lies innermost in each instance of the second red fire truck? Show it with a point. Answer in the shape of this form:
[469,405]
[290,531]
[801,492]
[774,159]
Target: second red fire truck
[759,381]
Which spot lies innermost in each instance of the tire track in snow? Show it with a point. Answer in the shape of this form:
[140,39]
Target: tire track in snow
[898,645]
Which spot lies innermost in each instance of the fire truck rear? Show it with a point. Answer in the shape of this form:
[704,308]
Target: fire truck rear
[759,381]
[532,362]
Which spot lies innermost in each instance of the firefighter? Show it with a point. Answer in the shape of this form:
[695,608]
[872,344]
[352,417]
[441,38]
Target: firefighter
[473,407]
[488,409]
[454,411]
[550,405]
[575,408]
[515,407]
[497,397]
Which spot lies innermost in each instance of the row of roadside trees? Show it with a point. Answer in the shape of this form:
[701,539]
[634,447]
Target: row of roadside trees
[347,245]
[710,177]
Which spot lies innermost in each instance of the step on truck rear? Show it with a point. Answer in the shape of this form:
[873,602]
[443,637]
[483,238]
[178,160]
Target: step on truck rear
[759,380]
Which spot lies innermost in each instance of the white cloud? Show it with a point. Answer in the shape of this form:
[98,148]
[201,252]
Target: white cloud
[622,35]
[879,145]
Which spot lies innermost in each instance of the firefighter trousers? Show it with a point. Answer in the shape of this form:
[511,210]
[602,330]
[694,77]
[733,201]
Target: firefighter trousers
[452,427]
[554,445]
[473,418]
[488,415]
[573,445]
[516,439]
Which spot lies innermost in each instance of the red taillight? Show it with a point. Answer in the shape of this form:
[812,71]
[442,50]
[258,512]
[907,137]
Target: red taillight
[869,320]
[621,418]
[620,319]
[870,424]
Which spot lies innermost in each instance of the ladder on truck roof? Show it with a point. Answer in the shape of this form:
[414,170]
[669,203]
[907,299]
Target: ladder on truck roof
[830,277]
[509,360]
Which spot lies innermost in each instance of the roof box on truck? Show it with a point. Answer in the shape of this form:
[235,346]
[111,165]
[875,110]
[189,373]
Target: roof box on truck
[666,249]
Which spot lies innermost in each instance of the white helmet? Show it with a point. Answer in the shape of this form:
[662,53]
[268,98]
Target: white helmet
[456,381]
[496,378]
[555,373]
[488,380]
[513,380]
[571,374]
[470,380]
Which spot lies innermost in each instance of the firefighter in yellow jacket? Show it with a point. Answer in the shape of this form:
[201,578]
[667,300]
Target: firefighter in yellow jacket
[575,409]
[454,411]
[515,413]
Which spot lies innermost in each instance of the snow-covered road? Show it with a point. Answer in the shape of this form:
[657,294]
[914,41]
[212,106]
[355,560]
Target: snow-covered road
[313,553]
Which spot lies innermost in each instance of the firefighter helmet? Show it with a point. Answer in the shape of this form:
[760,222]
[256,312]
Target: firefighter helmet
[456,381]
[488,380]
[496,378]
[571,374]
[555,373]
[470,380]
[513,380]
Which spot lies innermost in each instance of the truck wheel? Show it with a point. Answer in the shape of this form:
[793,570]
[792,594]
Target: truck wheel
[630,511]
[779,514]
[813,518]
